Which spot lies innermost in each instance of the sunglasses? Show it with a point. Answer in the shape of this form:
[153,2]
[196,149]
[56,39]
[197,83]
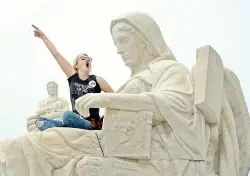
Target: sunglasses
[83,57]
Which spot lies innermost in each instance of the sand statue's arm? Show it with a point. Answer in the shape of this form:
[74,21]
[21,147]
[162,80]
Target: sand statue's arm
[123,101]
[45,110]
[58,112]
[40,110]
[172,89]
[119,101]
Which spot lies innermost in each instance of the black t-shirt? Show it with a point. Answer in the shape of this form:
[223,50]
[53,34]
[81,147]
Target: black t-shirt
[80,87]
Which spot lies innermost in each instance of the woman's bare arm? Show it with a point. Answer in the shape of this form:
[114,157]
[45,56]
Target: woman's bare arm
[62,62]
[104,85]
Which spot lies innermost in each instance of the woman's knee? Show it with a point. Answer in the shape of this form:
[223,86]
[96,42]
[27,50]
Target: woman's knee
[67,116]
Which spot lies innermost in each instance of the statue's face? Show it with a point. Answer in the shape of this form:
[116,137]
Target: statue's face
[128,46]
[52,89]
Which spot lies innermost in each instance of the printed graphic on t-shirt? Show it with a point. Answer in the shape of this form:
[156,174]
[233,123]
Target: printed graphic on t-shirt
[80,89]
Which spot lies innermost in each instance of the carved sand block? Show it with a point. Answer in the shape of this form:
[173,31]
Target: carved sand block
[127,134]
[209,75]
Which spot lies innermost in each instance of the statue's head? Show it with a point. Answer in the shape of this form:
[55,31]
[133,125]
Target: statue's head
[138,39]
[52,88]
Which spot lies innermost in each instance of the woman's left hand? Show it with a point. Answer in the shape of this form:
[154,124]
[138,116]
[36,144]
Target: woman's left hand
[91,100]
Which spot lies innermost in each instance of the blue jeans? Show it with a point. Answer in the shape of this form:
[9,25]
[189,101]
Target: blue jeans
[69,119]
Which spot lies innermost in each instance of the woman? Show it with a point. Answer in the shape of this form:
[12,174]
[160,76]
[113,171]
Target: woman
[80,83]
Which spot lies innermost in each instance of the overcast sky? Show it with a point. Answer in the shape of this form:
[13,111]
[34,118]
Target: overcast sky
[83,26]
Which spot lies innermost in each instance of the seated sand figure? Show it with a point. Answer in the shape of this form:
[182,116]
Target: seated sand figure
[162,122]
[52,107]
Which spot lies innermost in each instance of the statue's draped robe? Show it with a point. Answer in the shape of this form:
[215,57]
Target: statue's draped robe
[54,152]
[60,105]
[232,151]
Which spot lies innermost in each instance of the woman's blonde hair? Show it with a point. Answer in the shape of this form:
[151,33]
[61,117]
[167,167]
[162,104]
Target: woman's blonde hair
[75,62]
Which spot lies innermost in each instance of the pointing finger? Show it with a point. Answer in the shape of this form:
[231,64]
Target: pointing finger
[35,27]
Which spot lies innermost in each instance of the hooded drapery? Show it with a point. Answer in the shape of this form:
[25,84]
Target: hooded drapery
[149,30]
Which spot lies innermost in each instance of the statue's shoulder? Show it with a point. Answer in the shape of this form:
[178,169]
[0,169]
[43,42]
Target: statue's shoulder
[162,66]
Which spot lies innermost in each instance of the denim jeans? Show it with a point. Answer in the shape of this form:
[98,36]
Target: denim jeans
[69,119]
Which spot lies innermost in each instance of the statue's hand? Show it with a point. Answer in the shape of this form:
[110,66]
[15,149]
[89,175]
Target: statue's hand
[91,100]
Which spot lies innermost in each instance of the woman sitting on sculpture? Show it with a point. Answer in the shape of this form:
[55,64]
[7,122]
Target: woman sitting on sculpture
[80,83]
